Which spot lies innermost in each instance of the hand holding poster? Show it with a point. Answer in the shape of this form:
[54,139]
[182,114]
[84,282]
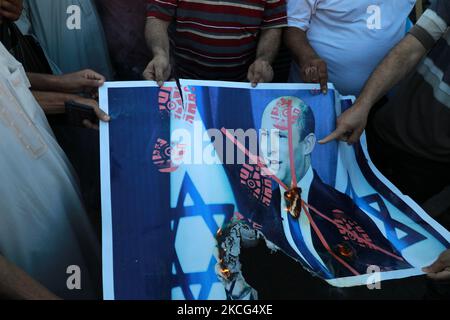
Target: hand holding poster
[191,175]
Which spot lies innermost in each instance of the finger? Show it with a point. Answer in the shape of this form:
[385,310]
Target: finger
[90,125]
[440,276]
[306,75]
[314,74]
[337,134]
[159,76]
[251,74]
[355,136]
[257,76]
[90,85]
[436,267]
[11,7]
[257,80]
[333,136]
[102,115]
[8,15]
[149,73]
[10,10]
[168,73]
[268,75]
[94,95]
[324,85]
[323,75]
[92,75]
[91,81]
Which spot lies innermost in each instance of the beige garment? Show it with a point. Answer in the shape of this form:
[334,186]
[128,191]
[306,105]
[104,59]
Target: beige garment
[44,228]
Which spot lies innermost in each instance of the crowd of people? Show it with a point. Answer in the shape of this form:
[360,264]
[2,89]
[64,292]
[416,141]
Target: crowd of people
[53,52]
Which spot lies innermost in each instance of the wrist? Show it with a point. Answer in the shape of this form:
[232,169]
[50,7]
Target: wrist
[264,60]
[363,105]
[58,83]
[160,53]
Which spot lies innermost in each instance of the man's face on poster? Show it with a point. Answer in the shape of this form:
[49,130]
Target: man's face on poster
[275,138]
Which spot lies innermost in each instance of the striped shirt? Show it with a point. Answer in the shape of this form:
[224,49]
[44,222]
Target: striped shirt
[213,39]
[417,120]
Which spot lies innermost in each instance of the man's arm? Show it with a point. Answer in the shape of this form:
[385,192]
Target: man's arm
[84,81]
[312,67]
[16,284]
[398,63]
[54,103]
[440,269]
[267,50]
[11,9]
[157,39]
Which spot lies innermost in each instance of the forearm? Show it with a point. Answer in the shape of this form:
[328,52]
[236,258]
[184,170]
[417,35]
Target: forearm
[157,36]
[53,102]
[45,82]
[397,64]
[269,44]
[16,284]
[297,41]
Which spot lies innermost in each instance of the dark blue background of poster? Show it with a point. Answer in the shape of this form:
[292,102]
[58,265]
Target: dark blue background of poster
[139,194]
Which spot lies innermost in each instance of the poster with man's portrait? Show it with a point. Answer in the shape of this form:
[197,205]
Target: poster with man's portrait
[195,171]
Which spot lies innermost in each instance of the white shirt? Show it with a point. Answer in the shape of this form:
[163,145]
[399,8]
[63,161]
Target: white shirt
[352,36]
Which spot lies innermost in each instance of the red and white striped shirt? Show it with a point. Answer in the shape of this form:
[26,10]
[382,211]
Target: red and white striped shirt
[217,40]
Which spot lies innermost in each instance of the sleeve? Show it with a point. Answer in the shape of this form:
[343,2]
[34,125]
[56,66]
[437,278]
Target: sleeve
[162,9]
[442,9]
[274,14]
[24,22]
[299,13]
[433,23]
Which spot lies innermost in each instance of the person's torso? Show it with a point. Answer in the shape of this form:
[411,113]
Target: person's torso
[71,34]
[417,119]
[354,36]
[216,40]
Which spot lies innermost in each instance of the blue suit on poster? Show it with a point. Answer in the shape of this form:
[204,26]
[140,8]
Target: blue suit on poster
[345,244]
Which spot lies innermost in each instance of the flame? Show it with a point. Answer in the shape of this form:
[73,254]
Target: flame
[345,251]
[225,272]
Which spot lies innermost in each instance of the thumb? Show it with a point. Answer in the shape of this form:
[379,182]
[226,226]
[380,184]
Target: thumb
[159,75]
[356,135]
[92,75]
[436,267]
[102,115]
[251,73]
[149,72]
[90,83]
[323,73]
[93,79]
[257,75]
